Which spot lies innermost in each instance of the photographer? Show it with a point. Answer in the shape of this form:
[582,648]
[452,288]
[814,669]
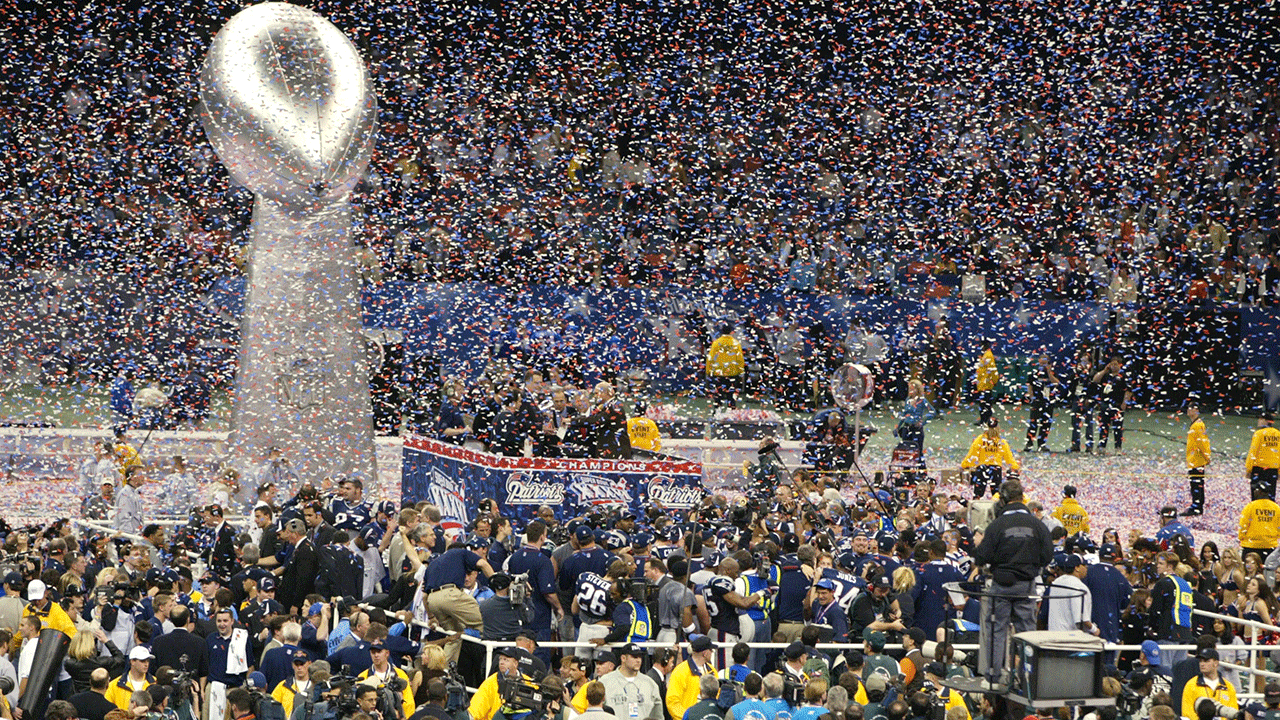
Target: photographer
[384,674]
[502,620]
[1209,685]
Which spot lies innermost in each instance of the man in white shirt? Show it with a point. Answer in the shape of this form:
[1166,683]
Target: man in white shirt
[1070,602]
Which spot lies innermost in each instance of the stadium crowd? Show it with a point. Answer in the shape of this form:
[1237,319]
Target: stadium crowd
[822,149]
[329,604]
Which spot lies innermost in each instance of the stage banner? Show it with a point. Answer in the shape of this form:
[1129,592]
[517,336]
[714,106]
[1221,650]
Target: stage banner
[456,479]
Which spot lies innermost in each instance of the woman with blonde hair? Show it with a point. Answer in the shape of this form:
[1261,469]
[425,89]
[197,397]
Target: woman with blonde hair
[904,582]
[987,458]
[1230,575]
[83,658]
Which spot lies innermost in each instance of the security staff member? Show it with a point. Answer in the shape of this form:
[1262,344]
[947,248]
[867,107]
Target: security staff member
[1016,548]
[986,377]
[631,620]
[1197,460]
[1259,525]
[643,431]
[986,459]
[1264,456]
[1172,601]
[1074,518]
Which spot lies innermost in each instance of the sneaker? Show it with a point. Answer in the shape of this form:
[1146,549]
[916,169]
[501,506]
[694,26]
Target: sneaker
[1026,449]
[1044,448]
[1192,511]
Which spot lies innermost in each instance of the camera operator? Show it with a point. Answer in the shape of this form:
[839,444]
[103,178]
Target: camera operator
[1015,548]
[1210,686]
[434,707]
[502,620]
[384,674]
[815,698]
[367,701]
[240,703]
[934,673]
[487,701]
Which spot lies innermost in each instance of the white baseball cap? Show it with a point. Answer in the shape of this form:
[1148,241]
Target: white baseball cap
[140,653]
[35,590]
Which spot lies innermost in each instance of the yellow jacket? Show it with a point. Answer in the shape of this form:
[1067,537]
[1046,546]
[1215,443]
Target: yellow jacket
[1264,451]
[1260,524]
[119,691]
[53,616]
[986,371]
[724,359]
[1195,689]
[644,434]
[365,678]
[682,688]
[486,703]
[988,451]
[284,693]
[1197,445]
[1074,518]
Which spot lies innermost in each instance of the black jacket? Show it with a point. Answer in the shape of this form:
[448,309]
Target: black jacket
[91,705]
[170,647]
[80,670]
[299,577]
[1016,546]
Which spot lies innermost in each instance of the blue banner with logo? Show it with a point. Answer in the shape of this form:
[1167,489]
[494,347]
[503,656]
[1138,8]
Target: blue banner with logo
[456,479]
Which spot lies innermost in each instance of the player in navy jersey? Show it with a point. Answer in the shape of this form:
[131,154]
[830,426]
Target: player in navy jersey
[668,543]
[594,603]
[846,586]
[349,509]
[589,557]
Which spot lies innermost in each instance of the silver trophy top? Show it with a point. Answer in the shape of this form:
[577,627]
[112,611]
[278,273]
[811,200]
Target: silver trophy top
[286,101]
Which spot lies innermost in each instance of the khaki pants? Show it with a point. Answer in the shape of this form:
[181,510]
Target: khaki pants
[454,610]
[790,631]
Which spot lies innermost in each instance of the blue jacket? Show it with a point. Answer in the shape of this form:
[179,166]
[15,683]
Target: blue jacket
[1111,591]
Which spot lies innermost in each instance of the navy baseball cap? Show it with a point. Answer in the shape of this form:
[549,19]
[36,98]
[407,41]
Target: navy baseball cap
[641,539]
[267,584]
[584,534]
[825,584]
[387,507]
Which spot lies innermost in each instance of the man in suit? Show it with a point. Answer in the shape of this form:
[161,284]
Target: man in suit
[664,661]
[171,648]
[298,576]
[319,529]
[222,553]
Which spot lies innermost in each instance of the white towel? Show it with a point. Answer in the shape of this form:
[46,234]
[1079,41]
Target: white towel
[217,701]
[238,652]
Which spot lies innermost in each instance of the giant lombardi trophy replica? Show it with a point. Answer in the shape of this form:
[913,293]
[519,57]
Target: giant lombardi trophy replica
[287,103]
